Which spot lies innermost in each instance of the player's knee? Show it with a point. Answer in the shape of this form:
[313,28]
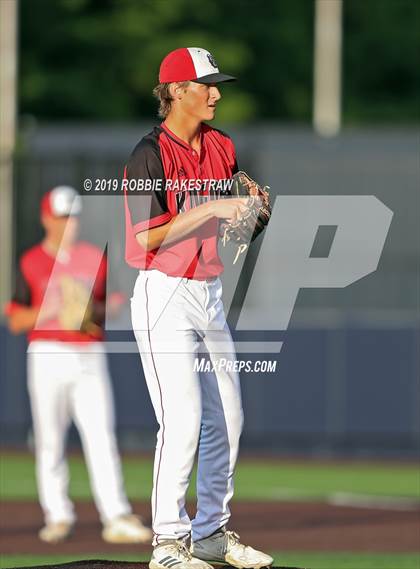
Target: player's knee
[231,420]
[184,424]
[50,445]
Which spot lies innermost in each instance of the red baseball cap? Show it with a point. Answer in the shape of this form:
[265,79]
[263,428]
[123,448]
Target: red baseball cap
[61,201]
[191,64]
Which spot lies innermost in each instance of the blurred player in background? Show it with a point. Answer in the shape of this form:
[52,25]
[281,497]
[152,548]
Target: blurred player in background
[60,300]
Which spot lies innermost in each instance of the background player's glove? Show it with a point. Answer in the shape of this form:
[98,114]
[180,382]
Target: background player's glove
[76,309]
[257,215]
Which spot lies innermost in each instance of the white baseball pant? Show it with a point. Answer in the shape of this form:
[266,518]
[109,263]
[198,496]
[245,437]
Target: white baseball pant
[65,382]
[174,320]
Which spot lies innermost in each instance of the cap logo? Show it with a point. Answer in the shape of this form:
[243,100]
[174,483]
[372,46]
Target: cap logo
[212,60]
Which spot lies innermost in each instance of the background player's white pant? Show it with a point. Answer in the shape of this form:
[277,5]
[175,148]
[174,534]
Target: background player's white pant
[170,317]
[66,382]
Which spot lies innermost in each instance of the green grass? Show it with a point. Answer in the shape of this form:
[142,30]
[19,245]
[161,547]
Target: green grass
[272,480]
[305,560]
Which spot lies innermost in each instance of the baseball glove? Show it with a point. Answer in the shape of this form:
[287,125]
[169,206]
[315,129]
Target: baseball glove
[76,306]
[244,230]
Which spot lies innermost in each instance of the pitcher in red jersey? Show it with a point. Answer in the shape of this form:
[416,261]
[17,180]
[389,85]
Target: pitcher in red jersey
[172,232]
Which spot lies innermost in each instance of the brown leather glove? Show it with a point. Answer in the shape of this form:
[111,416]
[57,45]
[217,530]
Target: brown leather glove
[76,307]
[245,229]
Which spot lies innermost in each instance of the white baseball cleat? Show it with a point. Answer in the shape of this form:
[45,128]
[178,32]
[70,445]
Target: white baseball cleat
[55,532]
[224,546]
[126,529]
[175,554]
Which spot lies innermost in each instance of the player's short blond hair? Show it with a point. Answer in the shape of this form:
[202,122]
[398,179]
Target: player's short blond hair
[163,95]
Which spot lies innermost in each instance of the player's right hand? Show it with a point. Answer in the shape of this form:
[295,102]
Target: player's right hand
[230,209]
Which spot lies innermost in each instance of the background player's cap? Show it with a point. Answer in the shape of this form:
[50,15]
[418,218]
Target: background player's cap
[191,64]
[61,201]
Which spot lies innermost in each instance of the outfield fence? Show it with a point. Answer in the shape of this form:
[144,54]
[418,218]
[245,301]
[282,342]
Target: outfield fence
[347,373]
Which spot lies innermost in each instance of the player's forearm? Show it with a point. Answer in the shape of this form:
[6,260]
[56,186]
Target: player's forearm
[23,319]
[177,228]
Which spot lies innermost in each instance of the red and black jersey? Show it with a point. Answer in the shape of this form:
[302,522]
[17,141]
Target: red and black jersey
[40,274]
[182,180]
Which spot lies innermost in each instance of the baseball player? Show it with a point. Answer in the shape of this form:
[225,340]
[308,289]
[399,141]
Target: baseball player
[172,237]
[60,301]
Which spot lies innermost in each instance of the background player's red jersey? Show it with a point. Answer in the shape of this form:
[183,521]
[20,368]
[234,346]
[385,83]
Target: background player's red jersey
[41,277]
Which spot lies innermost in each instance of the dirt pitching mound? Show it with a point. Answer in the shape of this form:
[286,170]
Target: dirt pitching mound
[101,564]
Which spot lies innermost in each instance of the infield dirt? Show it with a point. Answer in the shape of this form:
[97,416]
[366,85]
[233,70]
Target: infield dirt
[276,526]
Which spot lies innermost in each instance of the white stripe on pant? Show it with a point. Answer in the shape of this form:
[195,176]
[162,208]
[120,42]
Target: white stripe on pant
[172,319]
